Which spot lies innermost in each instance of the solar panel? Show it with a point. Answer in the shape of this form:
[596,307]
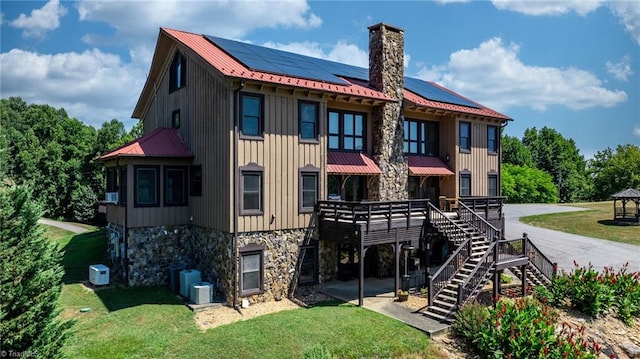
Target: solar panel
[278,62]
[435,93]
[287,63]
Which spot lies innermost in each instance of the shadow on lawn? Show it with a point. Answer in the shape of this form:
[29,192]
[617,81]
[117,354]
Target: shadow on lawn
[89,248]
[610,222]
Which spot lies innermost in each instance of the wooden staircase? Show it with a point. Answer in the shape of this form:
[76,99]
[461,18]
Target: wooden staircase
[480,254]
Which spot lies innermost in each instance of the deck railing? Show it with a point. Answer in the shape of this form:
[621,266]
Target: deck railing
[454,232]
[482,225]
[438,280]
[540,261]
[478,276]
[366,212]
[490,207]
[511,249]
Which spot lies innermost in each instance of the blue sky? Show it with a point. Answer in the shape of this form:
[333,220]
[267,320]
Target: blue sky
[571,65]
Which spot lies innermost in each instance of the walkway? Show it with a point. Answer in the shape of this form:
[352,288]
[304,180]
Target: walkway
[564,248]
[379,298]
[64,225]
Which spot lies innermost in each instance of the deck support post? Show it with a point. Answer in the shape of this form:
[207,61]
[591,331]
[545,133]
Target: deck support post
[496,285]
[396,279]
[361,255]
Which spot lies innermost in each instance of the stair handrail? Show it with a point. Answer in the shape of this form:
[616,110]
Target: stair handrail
[474,279]
[456,261]
[487,229]
[539,260]
[433,210]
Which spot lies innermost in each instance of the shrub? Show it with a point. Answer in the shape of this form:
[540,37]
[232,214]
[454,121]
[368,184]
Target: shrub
[521,328]
[469,320]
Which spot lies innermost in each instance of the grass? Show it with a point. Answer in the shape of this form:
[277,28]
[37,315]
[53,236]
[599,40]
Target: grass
[145,322]
[593,222]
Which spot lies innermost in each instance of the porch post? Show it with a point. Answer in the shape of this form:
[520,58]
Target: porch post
[396,279]
[361,275]
[524,280]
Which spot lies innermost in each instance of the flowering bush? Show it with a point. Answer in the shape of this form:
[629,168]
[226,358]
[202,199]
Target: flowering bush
[521,328]
[593,293]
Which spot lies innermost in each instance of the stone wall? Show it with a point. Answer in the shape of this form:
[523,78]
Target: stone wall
[152,250]
[280,259]
[386,74]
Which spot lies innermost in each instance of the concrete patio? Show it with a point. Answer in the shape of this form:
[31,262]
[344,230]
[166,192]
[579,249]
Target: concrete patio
[379,297]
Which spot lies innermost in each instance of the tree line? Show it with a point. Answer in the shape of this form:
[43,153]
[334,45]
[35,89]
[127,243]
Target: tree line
[545,167]
[54,155]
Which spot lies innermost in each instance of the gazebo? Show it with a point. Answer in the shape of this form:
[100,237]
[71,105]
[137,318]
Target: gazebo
[623,213]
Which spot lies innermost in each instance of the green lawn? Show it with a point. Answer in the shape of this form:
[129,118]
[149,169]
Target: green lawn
[594,222]
[151,322]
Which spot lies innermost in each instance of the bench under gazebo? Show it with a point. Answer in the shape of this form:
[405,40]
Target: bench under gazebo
[626,206]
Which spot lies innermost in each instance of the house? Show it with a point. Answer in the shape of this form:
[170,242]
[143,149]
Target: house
[268,170]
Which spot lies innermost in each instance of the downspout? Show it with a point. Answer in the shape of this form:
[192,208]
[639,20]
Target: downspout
[236,186]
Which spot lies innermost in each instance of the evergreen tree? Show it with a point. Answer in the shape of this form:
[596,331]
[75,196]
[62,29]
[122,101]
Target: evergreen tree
[30,280]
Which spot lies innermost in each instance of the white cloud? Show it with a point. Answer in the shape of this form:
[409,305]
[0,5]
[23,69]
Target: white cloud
[620,70]
[92,86]
[41,20]
[629,14]
[636,131]
[140,20]
[548,7]
[493,75]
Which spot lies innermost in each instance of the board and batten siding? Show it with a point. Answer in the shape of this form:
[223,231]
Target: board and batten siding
[282,155]
[206,127]
[479,162]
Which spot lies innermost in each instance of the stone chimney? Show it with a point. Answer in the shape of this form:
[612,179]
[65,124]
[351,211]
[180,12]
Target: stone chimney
[386,74]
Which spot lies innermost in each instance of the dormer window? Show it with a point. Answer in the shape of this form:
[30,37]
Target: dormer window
[178,72]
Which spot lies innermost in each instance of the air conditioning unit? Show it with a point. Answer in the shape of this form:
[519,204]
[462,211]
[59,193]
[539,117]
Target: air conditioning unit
[188,277]
[98,274]
[111,197]
[201,292]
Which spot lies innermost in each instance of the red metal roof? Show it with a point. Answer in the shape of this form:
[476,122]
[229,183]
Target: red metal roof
[351,163]
[482,111]
[162,142]
[428,166]
[228,66]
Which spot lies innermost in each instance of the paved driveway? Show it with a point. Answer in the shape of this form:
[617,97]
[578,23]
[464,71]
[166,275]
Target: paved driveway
[564,248]
[64,225]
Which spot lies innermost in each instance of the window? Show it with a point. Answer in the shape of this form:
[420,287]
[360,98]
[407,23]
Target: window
[251,189]
[465,136]
[465,184]
[308,114]
[308,188]
[346,131]
[112,184]
[421,137]
[147,186]
[492,139]
[308,265]
[251,270]
[195,181]
[175,186]
[175,119]
[492,182]
[178,72]
[122,195]
[252,114]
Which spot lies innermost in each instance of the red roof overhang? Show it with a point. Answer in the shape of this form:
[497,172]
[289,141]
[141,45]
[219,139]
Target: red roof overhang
[163,142]
[428,166]
[351,163]
[481,111]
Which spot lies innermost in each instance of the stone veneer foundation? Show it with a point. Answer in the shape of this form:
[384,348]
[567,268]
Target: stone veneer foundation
[151,251]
